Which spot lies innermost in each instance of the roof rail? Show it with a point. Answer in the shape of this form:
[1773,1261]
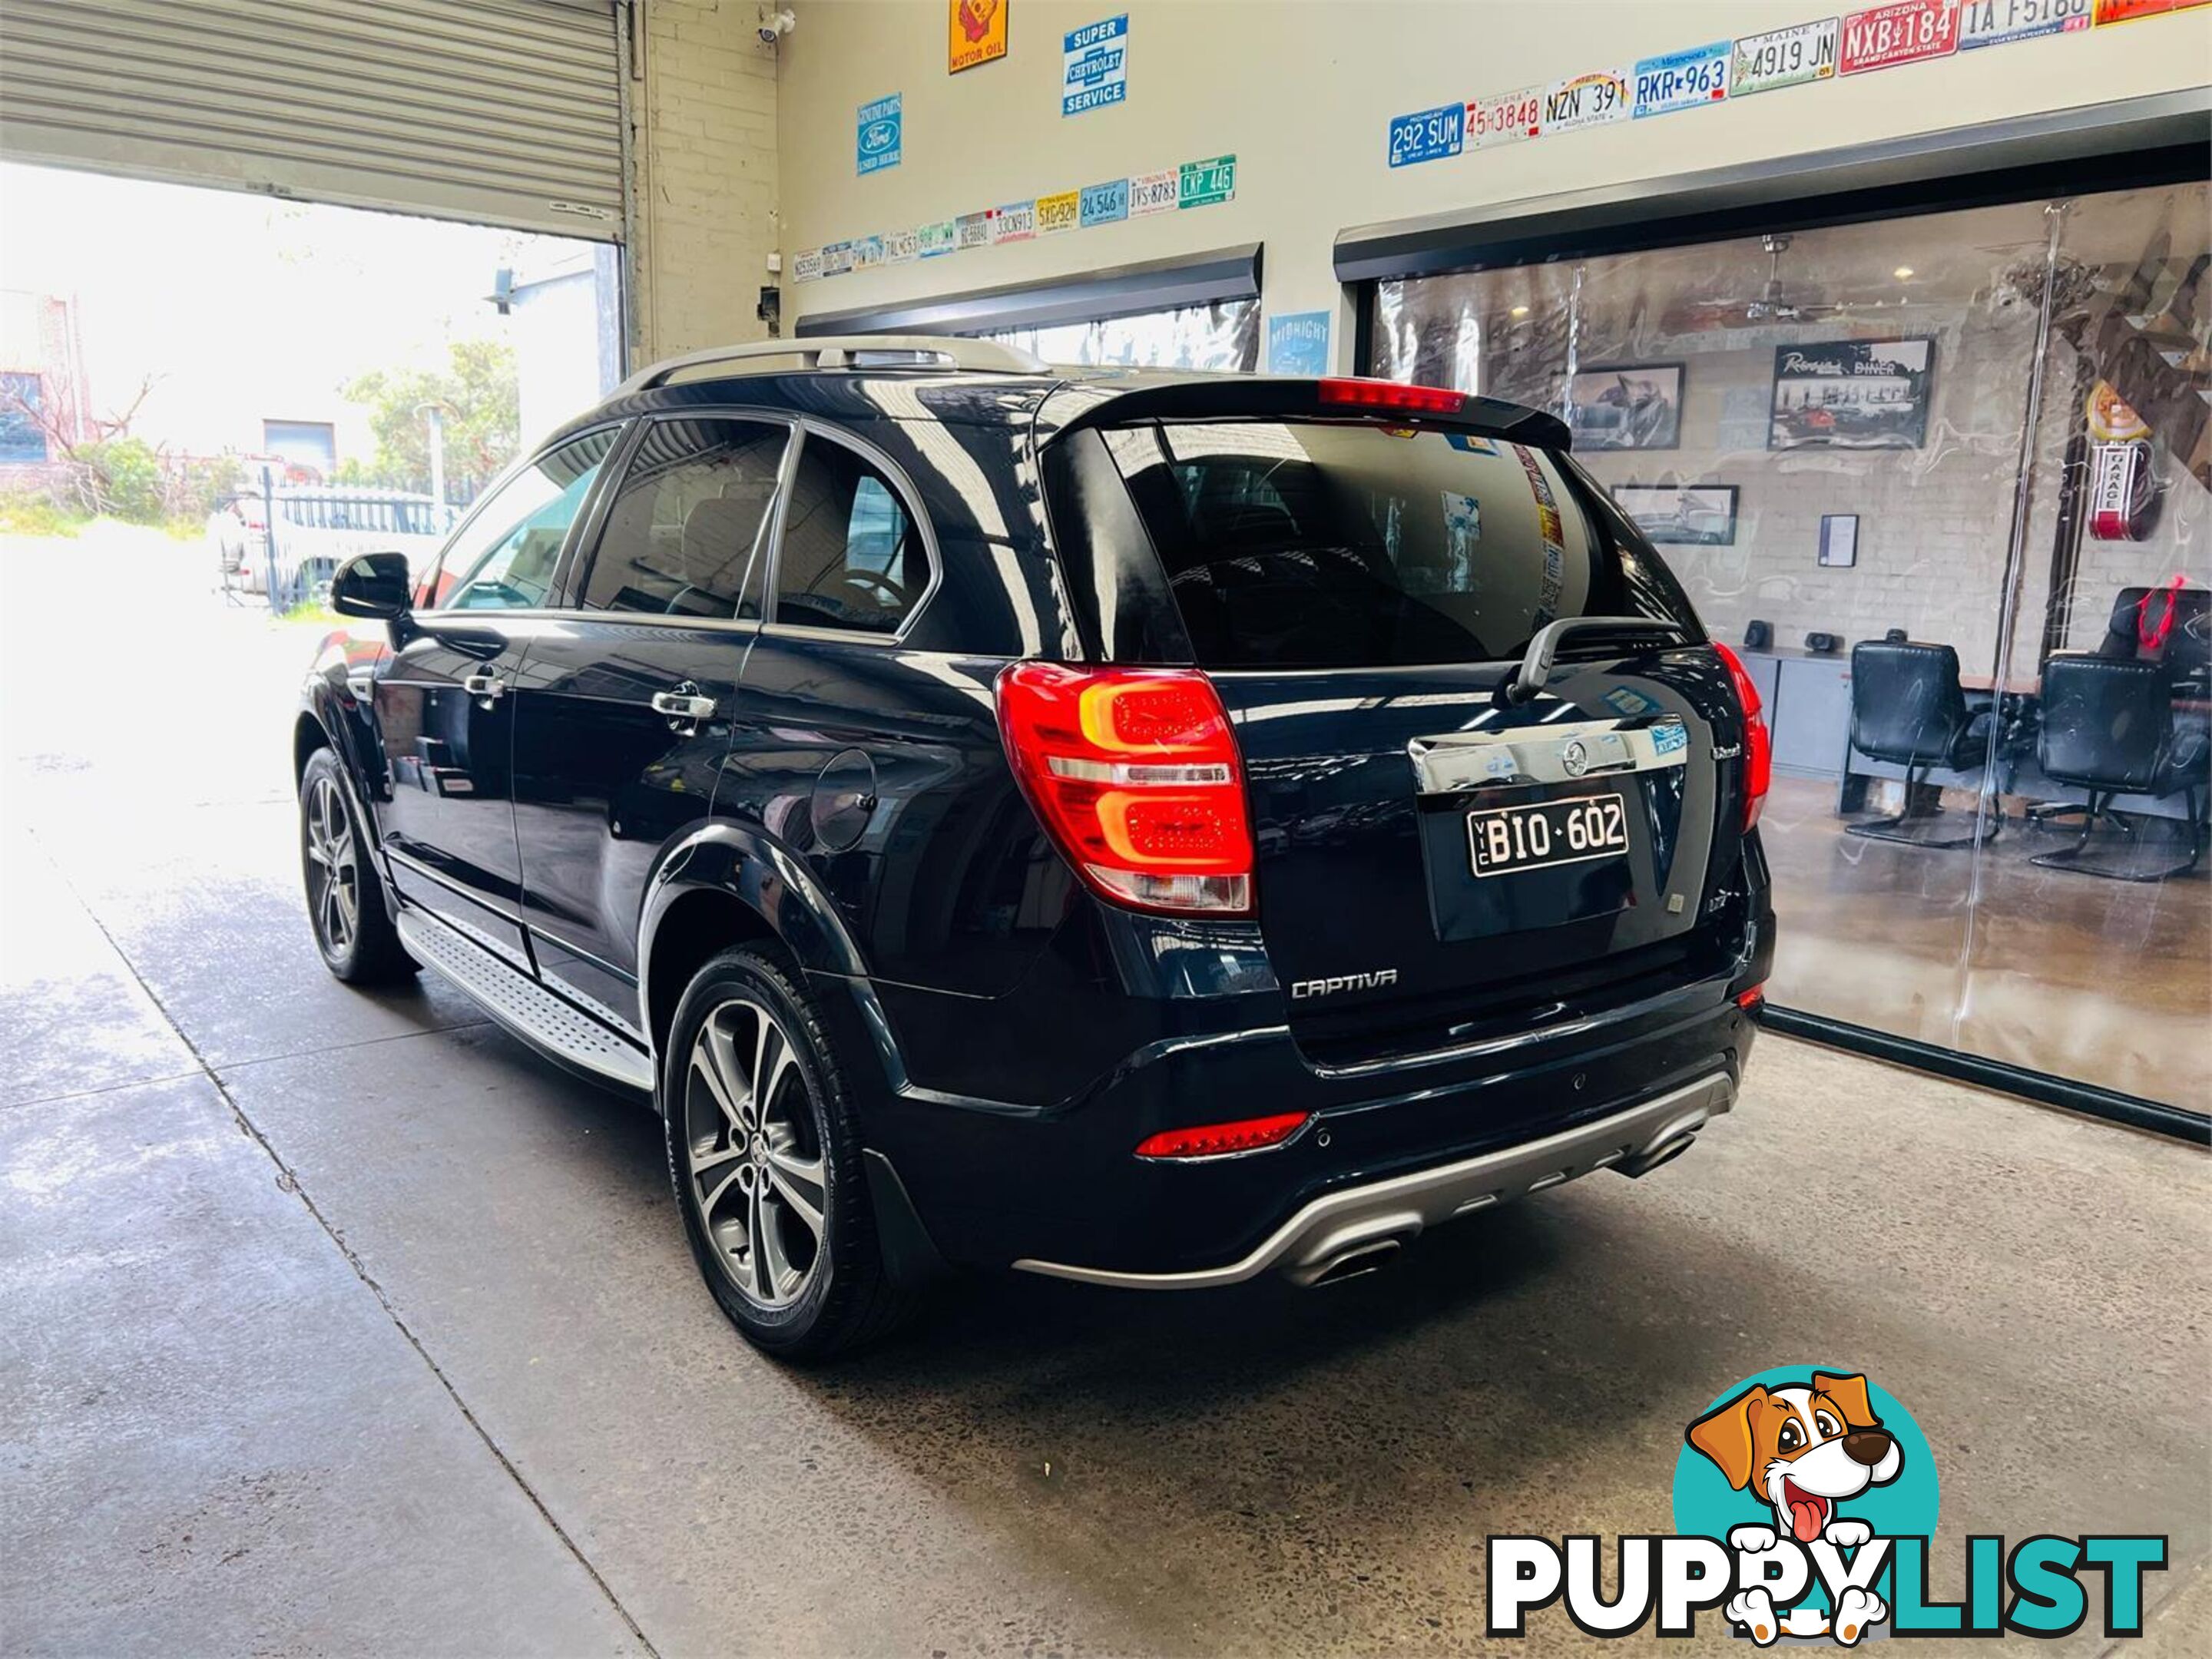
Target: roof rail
[837,351]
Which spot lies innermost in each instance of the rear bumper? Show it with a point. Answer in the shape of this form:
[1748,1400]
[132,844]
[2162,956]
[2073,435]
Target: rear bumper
[1354,1227]
[1057,1187]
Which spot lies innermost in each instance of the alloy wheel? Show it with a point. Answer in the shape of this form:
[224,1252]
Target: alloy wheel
[754,1154]
[333,868]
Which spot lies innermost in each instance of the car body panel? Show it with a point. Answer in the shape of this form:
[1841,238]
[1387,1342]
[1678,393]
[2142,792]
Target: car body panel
[1006,1036]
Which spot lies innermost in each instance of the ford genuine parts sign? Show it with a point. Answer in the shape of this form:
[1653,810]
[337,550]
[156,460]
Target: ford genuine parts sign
[881,138]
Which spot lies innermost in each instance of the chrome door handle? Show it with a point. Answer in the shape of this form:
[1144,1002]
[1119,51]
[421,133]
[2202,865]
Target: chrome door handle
[680,705]
[485,684]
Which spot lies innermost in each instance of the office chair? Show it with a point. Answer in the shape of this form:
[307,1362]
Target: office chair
[2108,728]
[1908,709]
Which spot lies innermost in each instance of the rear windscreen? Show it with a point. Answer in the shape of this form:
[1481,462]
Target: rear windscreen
[1320,545]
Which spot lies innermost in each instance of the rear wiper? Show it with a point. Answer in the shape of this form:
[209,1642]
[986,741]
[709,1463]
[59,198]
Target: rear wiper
[1535,671]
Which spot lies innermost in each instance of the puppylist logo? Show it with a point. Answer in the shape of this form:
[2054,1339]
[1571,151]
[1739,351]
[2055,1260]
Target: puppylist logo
[1805,1501]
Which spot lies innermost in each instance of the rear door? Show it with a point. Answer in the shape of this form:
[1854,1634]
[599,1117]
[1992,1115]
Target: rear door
[622,712]
[443,699]
[1360,595]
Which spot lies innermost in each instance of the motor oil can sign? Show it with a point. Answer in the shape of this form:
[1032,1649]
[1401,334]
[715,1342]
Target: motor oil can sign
[1586,100]
[880,135]
[1095,66]
[1682,80]
[2000,22]
[1909,32]
[1784,58]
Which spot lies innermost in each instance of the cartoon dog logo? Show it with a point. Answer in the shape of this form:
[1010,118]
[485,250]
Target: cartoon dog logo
[1803,1449]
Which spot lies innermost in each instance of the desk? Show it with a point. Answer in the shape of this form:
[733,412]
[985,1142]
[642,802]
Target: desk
[1808,696]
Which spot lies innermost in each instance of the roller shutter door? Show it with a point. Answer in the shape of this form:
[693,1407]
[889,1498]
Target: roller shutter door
[501,112]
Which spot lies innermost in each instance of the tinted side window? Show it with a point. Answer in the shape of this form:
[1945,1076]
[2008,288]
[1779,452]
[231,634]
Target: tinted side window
[851,556]
[503,559]
[680,536]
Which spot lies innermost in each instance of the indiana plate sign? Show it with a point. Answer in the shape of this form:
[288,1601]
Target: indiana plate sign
[1505,117]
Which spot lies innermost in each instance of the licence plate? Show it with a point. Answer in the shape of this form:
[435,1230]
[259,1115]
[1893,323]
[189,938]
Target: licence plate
[1505,839]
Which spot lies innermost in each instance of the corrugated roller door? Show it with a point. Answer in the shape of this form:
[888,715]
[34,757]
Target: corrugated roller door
[505,112]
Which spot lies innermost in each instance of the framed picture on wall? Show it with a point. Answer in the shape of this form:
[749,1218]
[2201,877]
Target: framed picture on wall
[1697,515]
[1626,406]
[1852,394]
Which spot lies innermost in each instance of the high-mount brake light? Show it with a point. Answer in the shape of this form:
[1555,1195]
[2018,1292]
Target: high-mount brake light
[1250,1134]
[1389,394]
[1757,740]
[1135,774]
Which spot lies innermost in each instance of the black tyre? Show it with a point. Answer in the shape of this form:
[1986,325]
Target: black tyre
[766,1161]
[346,905]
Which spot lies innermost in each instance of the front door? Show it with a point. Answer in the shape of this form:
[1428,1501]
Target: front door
[443,699]
[623,709]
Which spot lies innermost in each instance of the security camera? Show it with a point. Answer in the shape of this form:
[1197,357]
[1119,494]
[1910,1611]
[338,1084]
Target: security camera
[781,24]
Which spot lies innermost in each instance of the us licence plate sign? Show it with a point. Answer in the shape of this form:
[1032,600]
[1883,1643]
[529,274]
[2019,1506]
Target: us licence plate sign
[1506,839]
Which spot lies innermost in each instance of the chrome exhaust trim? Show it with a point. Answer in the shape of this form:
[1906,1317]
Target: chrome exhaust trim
[1337,1229]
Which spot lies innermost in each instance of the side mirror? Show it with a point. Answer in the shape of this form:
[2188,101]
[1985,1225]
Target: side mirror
[373,585]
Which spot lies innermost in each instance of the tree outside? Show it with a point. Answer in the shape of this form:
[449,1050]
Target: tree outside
[482,420]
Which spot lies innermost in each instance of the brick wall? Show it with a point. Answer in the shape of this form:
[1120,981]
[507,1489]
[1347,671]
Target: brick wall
[1932,521]
[706,155]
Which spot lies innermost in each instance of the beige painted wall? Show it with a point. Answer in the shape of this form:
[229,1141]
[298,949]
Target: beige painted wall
[705,151]
[1301,92]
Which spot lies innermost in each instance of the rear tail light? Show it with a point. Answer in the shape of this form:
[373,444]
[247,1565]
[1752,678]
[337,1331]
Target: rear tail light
[1757,741]
[1752,1000]
[1389,394]
[1250,1134]
[1135,774]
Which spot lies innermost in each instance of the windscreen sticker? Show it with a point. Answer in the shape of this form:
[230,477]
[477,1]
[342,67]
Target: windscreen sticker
[1462,529]
[1470,444]
[1669,736]
[1555,543]
[1625,700]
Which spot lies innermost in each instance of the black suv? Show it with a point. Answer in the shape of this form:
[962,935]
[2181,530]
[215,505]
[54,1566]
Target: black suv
[1151,829]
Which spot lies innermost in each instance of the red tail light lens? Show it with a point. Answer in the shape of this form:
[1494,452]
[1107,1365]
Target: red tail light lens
[1757,741]
[1389,394]
[1753,999]
[1249,1134]
[1135,773]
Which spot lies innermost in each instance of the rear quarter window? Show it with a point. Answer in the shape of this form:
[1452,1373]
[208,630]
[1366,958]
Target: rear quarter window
[1317,544]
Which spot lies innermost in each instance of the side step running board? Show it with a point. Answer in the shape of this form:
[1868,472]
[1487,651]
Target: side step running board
[524,1006]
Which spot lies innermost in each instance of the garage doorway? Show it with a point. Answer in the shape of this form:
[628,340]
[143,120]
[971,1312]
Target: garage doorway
[284,383]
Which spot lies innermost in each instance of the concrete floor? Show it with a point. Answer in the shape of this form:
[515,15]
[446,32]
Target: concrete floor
[332,1323]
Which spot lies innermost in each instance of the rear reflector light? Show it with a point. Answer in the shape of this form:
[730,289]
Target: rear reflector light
[1389,394]
[1250,1134]
[1752,998]
[1134,773]
[1757,741]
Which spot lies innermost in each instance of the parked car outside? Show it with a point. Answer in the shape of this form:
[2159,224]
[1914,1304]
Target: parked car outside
[318,529]
[1125,827]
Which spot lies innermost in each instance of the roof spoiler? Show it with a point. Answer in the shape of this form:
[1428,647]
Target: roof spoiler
[1385,402]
